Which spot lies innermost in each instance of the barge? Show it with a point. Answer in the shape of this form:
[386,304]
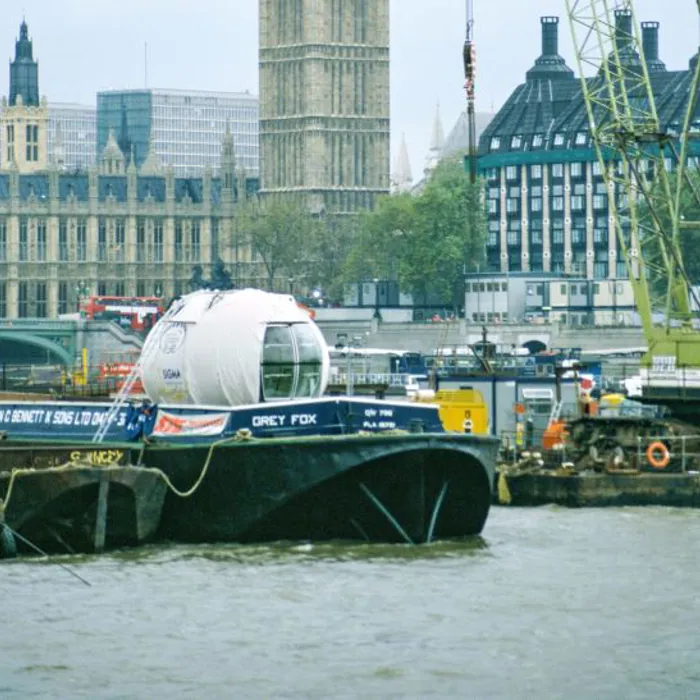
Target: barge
[239,430]
[343,468]
[568,488]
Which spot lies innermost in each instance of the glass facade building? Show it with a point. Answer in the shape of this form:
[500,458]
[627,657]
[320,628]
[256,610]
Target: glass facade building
[72,135]
[186,127]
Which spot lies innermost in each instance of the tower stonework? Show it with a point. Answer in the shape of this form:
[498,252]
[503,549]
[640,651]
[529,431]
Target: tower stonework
[324,102]
[24,120]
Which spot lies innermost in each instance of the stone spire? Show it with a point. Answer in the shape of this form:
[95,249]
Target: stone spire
[403,178]
[24,72]
[228,158]
[112,157]
[59,148]
[437,141]
[131,167]
[152,166]
[124,141]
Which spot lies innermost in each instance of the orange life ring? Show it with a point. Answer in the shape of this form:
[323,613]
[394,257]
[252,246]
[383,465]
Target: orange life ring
[658,455]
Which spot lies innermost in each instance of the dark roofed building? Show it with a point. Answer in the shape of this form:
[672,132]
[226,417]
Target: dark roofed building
[546,198]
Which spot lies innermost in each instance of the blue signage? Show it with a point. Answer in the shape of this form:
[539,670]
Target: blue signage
[332,416]
[60,420]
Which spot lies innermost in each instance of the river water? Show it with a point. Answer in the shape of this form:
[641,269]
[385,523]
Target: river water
[548,603]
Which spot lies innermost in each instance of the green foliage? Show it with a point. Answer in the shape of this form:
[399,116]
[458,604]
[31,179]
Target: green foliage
[425,242]
[689,238]
[428,241]
[330,246]
[282,236]
[381,237]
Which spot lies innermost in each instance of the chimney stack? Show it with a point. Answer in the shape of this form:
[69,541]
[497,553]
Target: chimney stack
[650,40]
[623,29]
[550,65]
[550,36]
[650,45]
[624,39]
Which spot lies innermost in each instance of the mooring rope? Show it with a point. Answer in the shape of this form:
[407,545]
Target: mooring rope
[241,435]
[29,543]
[22,471]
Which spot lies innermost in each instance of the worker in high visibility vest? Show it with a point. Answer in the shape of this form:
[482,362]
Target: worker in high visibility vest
[519,435]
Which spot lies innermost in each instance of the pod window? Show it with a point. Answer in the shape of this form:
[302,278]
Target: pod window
[291,363]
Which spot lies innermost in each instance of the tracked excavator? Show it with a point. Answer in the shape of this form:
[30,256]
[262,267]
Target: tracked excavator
[647,155]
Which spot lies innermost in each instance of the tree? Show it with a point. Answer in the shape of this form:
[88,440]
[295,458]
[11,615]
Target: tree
[331,243]
[425,242]
[281,235]
[379,246]
[450,234]
[656,213]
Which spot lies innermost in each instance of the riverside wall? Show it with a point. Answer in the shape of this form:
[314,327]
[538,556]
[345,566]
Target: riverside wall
[426,337]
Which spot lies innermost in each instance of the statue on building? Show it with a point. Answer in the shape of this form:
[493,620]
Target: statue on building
[197,280]
[220,278]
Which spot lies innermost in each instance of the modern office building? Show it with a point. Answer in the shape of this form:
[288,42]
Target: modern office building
[324,102]
[545,297]
[115,229]
[72,135]
[546,197]
[186,127]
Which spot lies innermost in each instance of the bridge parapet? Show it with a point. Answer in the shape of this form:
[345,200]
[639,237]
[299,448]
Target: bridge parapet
[38,324]
[64,339]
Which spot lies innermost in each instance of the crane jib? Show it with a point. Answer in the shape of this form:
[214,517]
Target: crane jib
[648,162]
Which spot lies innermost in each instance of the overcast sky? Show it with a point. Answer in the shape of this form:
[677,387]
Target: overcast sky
[88,45]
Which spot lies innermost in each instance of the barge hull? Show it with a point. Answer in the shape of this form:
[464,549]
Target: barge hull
[83,508]
[394,488]
[601,490]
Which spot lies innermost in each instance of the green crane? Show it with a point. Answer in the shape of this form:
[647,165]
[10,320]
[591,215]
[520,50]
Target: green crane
[637,153]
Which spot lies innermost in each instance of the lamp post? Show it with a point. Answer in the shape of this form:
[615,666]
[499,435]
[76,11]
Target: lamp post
[81,289]
[377,315]
[291,286]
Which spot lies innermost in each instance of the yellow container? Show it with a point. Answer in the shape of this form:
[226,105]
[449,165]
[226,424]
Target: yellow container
[611,400]
[460,406]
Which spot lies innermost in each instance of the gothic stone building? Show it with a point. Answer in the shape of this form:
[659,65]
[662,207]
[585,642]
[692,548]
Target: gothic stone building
[113,230]
[324,101]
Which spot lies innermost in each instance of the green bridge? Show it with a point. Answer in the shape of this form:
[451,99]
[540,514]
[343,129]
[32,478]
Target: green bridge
[61,341]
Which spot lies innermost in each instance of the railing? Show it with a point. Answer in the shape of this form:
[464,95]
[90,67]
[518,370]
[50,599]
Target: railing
[369,379]
[96,381]
[514,443]
[127,336]
[683,448]
[43,323]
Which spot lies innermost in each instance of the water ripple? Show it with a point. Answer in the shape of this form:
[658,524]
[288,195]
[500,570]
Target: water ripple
[549,603]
